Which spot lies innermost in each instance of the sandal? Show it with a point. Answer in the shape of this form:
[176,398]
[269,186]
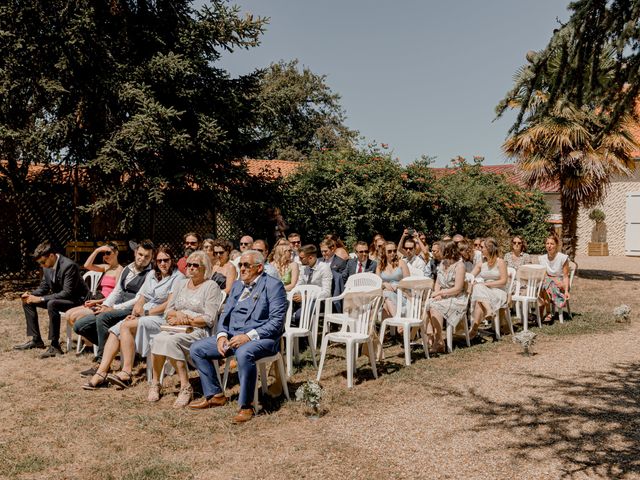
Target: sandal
[184,397]
[118,381]
[94,386]
[154,392]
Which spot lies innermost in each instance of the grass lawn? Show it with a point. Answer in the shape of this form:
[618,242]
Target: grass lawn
[482,412]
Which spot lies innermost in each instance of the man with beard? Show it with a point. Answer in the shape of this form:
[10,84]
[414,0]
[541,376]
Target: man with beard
[192,242]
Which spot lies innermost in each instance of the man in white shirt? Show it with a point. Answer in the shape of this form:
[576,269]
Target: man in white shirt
[314,272]
[295,241]
[417,266]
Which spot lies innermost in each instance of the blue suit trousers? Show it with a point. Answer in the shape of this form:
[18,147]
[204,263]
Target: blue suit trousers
[206,349]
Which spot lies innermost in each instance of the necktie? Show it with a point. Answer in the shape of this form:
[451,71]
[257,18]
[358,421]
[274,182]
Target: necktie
[309,275]
[359,267]
[246,292]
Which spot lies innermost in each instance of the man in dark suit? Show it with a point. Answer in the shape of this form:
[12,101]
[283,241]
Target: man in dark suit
[250,328]
[362,263]
[61,288]
[328,251]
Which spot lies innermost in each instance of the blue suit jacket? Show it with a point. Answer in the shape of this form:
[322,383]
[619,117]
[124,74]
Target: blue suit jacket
[266,313]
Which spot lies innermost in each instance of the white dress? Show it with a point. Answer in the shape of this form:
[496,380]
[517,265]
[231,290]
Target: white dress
[493,298]
[451,308]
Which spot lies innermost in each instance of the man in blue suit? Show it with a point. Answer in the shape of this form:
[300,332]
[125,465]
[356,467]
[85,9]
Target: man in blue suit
[250,328]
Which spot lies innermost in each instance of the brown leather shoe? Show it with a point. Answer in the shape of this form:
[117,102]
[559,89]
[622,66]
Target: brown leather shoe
[203,402]
[244,415]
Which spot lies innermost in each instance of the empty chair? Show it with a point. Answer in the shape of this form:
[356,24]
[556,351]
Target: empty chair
[363,309]
[416,290]
[572,271]
[308,320]
[527,290]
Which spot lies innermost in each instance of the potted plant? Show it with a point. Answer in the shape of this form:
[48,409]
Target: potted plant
[598,245]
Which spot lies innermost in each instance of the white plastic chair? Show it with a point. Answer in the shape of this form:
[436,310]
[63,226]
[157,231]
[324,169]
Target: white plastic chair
[356,282]
[417,298]
[572,271]
[529,280]
[308,320]
[94,279]
[361,331]
[451,325]
[511,277]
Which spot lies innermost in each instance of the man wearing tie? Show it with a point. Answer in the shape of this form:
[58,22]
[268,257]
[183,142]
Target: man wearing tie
[250,328]
[362,263]
[61,288]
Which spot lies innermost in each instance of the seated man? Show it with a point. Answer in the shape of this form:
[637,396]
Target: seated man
[362,263]
[417,266]
[295,241]
[262,247]
[328,250]
[61,288]
[192,242]
[119,304]
[250,328]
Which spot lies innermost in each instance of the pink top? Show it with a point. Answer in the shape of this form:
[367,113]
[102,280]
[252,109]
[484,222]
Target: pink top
[107,284]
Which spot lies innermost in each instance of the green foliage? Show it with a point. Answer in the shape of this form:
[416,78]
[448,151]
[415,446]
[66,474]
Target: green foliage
[298,114]
[597,215]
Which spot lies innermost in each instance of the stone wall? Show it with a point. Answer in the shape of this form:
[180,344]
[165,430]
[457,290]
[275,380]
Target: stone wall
[614,206]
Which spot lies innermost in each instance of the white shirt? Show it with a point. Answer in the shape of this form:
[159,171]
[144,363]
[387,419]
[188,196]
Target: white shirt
[116,294]
[417,266]
[320,276]
[554,267]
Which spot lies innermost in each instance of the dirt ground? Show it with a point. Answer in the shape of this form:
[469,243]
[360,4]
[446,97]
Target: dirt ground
[570,411]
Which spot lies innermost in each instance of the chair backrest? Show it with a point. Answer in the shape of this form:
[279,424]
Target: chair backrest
[365,314]
[417,291]
[511,282]
[308,296]
[530,277]
[572,272]
[365,279]
[212,330]
[94,280]
[468,280]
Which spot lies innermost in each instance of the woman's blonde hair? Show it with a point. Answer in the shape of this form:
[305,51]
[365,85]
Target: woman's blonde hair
[202,258]
[493,249]
[279,259]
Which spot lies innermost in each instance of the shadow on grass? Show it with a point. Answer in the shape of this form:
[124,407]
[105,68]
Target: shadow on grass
[608,275]
[595,431]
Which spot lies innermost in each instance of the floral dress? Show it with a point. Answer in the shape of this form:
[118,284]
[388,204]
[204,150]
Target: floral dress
[451,308]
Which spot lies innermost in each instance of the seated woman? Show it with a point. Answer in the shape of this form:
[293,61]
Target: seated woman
[517,256]
[194,303]
[555,287]
[449,299]
[340,250]
[289,270]
[133,334]
[224,272]
[465,248]
[110,270]
[376,248]
[489,288]
[391,269]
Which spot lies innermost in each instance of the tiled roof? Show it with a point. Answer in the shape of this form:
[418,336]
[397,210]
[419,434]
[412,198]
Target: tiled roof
[271,168]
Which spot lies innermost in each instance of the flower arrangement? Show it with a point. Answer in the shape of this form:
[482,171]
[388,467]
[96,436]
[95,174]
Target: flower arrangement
[622,313]
[526,339]
[311,393]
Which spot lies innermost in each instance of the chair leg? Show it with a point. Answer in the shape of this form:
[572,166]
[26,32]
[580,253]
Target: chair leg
[383,327]
[285,385]
[149,369]
[323,354]
[289,354]
[496,324]
[225,377]
[525,315]
[561,314]
[450,338]
[313,350]
[372,358]
[407,345]
[349,365]
[264,379]
[508,314]
[63,318]
[216,367]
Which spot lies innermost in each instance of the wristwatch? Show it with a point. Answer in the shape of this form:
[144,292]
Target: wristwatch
[146,312]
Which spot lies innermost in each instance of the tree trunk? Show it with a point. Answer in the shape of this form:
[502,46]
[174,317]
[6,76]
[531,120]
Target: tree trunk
[569,209]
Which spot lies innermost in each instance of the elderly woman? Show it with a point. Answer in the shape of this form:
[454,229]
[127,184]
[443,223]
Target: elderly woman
[489,289]
[517,256]
[193,305]
[110,269]
[448,300]
[224,272]
[391,269]
[555,287]
[289,270]
[133,334]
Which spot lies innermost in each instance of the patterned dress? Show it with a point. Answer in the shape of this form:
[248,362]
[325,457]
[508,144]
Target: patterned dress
[451,308]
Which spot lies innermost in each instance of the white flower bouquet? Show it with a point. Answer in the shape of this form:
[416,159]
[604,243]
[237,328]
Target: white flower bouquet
[310,393]
[622,313]
[526,339]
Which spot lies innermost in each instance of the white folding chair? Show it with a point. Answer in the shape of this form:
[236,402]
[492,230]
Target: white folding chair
[529,280]
[356,282]
[309,308]
[361,331]
[417,291]
[572,271]
[452,324]
[94,279]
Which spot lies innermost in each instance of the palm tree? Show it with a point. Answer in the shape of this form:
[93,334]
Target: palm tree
[567,147]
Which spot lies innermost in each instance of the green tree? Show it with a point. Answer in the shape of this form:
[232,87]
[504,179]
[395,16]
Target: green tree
[129,89]
[298,114]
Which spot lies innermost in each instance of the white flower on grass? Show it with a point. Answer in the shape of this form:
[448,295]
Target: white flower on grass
[622,312]
[311,393]
[526,339]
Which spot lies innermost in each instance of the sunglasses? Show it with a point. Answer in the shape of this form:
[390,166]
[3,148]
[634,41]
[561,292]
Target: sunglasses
[165,260]
[409,248]
[362,251]
[477,245]
[107,254]
[218,253]
[193,265]
[245,244]
[517,243]
[391,251]
[246,265]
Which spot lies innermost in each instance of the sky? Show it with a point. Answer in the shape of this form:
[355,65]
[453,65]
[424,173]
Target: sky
[423,77]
